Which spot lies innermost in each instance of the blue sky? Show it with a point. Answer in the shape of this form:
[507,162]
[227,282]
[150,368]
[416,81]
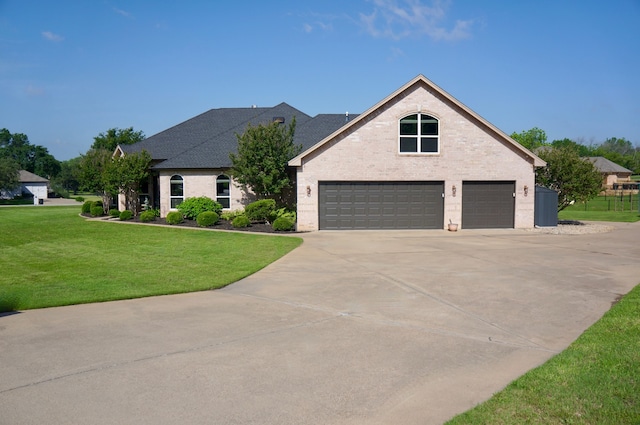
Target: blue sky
[70,70]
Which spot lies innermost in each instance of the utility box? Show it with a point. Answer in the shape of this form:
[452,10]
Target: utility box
[546,207]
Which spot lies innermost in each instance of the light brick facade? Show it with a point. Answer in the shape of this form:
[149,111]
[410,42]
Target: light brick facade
[470,150]
[198,183]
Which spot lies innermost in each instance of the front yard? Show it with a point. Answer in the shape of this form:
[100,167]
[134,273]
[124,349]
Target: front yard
[51,257]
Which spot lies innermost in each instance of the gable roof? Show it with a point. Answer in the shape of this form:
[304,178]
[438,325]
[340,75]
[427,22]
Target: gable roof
[422,80]
[605,166]
[205,141]
[28,177]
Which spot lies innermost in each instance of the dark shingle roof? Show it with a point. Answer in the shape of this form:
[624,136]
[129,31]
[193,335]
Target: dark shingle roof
[205,141]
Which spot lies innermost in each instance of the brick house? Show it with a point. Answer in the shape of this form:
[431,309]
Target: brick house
[418,159]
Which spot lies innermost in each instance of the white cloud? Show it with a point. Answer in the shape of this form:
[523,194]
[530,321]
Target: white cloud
[48,35]
[308,28]
[398,19]
[122,12]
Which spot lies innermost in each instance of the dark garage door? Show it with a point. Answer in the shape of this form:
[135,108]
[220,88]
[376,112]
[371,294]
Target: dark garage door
[488,205]
[381,205]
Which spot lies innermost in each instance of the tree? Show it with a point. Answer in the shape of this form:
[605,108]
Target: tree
[9,174]
[124,175]
[92,167]
[574,178]
[568,143]
[261,162]
[531,139]
[68,177]
[115,136]
[33,158]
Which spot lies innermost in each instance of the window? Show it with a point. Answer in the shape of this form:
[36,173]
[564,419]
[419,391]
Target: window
[177,191]
[419,134]
[222,190]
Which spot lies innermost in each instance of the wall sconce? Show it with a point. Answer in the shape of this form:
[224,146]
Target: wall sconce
[453,190]
[526,190]
[308,190]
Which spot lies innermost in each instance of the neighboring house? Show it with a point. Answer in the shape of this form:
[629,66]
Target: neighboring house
[612,173]
[418,159]
[30,184]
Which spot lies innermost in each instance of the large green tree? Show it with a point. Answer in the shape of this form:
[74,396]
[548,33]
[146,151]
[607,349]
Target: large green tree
[33,158]
[574,178]
[9,176]
[261,162]
[116,136]
[531,139]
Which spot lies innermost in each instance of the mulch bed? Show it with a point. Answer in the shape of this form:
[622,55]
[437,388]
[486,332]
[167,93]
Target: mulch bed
[221,225]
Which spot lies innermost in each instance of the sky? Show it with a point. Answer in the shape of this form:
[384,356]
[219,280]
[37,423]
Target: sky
[70,70]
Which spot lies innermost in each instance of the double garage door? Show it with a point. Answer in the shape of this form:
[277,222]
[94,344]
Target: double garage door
[411,205]
[381,205]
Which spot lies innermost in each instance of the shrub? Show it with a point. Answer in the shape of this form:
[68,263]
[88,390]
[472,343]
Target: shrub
[147,216]
[79,198]
[282,212]
[260,210]
[230,215]
[241,221]
[86,207]
[192,207]
[283,224]
[207,218]
[175,217]
[126,215]
[115,213]
[155,211]
[96,204]
[97,211]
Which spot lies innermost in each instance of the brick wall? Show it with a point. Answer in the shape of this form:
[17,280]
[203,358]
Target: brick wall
[468,151]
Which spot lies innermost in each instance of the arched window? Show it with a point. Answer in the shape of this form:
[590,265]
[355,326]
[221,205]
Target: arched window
[419,133]
[223,184]
[177,191]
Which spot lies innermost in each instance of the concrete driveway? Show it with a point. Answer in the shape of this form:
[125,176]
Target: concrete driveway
[351,328]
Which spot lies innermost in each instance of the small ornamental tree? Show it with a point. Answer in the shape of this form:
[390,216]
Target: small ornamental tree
[574,178]
[261,162]
[124,175]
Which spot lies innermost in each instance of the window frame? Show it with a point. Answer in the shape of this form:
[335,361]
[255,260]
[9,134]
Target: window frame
[419,138]
[224,178]
[173,180]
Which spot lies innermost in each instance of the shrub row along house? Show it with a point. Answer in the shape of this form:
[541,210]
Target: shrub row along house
[419,159]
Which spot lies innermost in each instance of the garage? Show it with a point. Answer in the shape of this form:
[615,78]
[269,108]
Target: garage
[488,204]
[381,205]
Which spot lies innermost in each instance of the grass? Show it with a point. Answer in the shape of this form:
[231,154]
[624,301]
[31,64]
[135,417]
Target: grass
[604,208]
[594,381]
[52,257]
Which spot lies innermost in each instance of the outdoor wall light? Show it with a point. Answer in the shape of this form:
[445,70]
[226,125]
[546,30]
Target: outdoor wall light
[308,190]
[526,190]
[453,190]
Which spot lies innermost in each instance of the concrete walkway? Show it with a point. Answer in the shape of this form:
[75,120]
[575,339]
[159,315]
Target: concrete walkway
[351,328]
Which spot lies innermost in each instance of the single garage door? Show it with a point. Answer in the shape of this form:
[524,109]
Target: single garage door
[488,205]
[381,205]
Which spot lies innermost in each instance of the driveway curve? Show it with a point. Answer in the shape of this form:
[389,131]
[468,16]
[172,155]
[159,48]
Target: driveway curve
[375,327]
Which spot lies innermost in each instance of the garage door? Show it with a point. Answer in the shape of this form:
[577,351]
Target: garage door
[488,205]
[381,205]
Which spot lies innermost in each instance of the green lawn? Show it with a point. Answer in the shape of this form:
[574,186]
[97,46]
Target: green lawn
[594,381]
[604,208]
[51,256]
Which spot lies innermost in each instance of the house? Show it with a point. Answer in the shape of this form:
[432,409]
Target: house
[612,173]
[418,159]
[30,185]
